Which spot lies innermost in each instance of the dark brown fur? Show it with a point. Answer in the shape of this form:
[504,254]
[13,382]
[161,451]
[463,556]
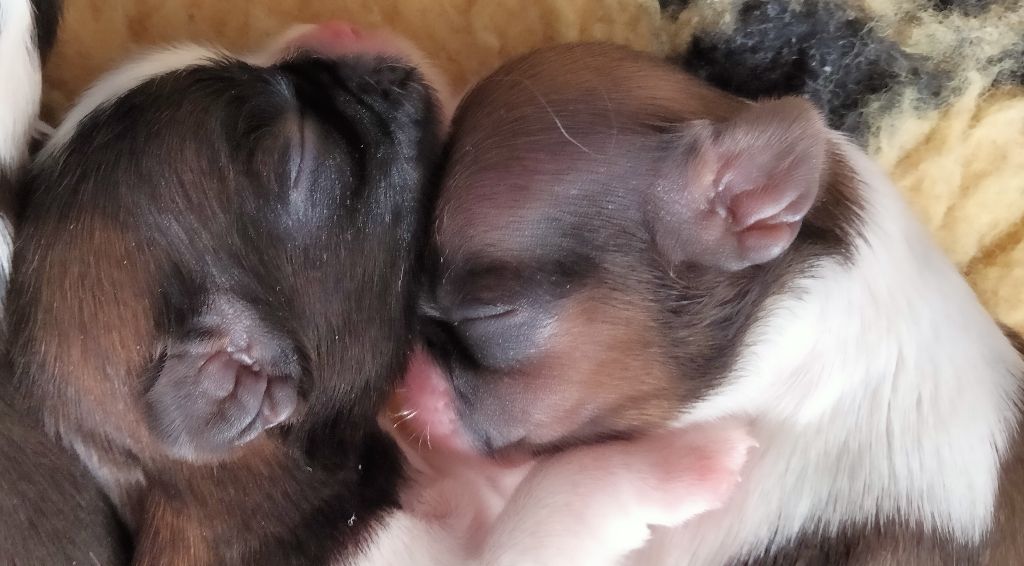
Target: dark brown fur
[51,510]
[1006,543]
[888,544]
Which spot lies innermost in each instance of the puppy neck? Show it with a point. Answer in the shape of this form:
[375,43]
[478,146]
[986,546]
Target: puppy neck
[884,376]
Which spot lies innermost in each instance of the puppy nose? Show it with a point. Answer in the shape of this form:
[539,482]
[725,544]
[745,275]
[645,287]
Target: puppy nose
[339,38]
[330,38]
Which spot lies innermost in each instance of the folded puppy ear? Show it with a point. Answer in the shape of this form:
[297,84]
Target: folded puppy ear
[744,186]
[221,383]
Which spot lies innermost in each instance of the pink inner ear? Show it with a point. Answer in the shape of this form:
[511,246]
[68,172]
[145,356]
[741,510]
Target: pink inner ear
[777,199]
[769,174]
[764,242]
[738,191]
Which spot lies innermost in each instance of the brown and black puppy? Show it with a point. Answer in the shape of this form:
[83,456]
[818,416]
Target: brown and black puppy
[214,291]
[619,248]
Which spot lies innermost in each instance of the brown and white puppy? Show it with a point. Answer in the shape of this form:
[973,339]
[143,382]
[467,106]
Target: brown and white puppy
[213,291]
[619,247]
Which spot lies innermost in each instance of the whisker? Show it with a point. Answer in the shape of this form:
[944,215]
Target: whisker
[406,415]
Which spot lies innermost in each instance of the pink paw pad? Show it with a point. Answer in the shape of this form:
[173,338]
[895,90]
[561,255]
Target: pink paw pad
[693,470]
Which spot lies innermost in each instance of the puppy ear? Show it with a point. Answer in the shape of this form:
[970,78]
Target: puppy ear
[221,383]
[743,188]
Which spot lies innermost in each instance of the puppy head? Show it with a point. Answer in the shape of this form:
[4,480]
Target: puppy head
[215,245]
[606,229]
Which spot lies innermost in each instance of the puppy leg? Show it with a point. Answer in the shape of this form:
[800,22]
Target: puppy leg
[594,505]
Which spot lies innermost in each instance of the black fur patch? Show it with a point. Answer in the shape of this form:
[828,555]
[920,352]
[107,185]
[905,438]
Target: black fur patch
[966,7]
[48,14]
[51,512]
[672,8]
[1012,74]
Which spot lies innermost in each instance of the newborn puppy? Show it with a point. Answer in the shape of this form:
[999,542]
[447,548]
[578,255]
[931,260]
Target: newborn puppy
[619,247]
[213,290]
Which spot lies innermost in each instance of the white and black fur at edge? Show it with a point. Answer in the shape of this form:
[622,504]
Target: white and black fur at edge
[28,29]
[51,512]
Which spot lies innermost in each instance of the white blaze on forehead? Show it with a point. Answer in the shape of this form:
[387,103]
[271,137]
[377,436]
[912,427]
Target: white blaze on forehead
[21,80]
[126,77]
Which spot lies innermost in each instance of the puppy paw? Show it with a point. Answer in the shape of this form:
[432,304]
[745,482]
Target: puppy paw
[690,471]
[205,403]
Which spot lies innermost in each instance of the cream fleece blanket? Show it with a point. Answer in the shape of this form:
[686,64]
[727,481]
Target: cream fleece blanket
[958,157]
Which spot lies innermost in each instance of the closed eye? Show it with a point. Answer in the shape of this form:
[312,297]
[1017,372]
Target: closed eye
[481,312]
[501,337]
[456,315]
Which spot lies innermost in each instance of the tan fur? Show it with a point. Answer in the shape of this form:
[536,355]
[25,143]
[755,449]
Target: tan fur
[603,365]
[97,371]
[183,498]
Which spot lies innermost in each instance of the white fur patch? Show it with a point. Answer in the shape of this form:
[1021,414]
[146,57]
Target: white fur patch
[116,83]
[6,245]
[22,81]
[881,389]
[6,254]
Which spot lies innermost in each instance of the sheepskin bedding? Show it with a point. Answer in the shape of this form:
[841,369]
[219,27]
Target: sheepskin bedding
[934,89]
